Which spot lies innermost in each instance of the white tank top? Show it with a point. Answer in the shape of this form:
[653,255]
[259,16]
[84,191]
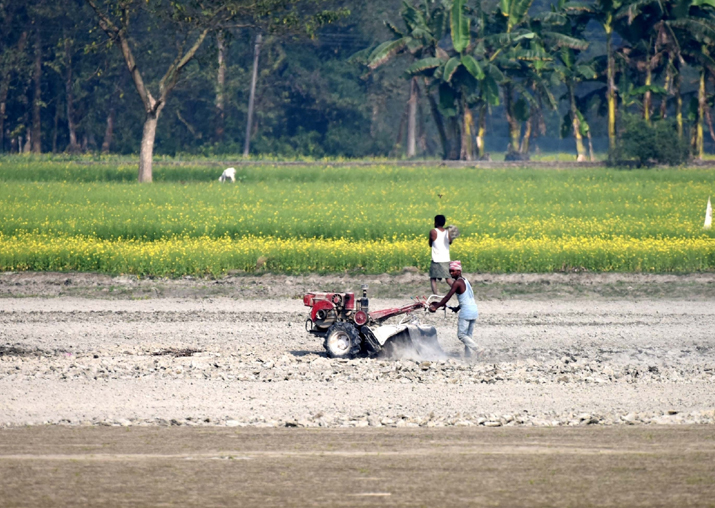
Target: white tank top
[440,247]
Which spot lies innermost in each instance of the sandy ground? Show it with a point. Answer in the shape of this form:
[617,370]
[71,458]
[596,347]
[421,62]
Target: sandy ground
[644,466]
[561,349]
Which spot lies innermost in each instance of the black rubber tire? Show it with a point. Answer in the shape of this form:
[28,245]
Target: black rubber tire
[342,341]
[372,346]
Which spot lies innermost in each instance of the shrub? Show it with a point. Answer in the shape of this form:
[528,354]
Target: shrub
[646,143]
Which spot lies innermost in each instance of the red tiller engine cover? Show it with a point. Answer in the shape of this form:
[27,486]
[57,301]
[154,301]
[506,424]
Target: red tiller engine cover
[346,300]
[320,305]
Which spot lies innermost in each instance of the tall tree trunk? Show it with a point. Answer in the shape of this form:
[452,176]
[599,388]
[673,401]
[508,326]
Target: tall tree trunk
[374,117]
[109,131]
[439,122]
[73,146]
[397,149]
[467,151]
[590,147]
[481,129]
[709,120]
[576,125]
[421,131]
[37,96]
[220,87]
[611,83]
[4,88]
[455,147]
[524,147]
[514,125]
[668,88]
[5,78]
[152,107]
[647,96]
[412,120]
[56,126]
[147,147]
[678,106]
[699,148]
[252,95]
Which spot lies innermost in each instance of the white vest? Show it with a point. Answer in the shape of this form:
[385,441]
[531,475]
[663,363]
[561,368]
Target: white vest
[440,247]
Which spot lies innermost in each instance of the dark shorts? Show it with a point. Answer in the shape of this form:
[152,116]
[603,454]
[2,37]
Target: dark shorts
[439,270]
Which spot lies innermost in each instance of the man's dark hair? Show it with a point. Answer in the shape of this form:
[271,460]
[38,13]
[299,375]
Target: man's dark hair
[439,220]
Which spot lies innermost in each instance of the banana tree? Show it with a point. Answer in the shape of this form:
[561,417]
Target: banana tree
[694,26]
[459,78]
[604,12]
[519,49]
[425,26]
[571,71]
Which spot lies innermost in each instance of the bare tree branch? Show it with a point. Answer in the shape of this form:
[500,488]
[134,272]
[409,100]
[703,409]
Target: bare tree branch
[116,34]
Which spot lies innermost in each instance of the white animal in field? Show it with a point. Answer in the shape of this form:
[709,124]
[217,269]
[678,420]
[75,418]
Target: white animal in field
[708,216]
[228,174]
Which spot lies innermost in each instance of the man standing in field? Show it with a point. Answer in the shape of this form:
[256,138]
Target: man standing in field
[439,241]
[468,312]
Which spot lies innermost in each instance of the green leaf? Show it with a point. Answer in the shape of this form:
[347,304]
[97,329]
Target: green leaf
[504,7]
[582,124]
[701,30]
[472,67]
[587,71]
[554,18]
[533,55]
[386,51]
[395,31]
[495,73]
[490,89]
[413,18]
[579,7]
[518,11]
[423,65]
[459,26]
[438,24]
[415,45]
[561,40]
[656,89]
[450,68]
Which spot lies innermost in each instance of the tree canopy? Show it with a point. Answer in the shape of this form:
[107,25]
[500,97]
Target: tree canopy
[435,78]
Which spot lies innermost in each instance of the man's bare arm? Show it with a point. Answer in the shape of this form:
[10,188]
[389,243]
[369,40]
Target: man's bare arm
[456,285]
[432,237]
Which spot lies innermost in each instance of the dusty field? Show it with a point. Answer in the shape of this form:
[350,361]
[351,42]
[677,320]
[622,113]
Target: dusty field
[647,466]
[557,350]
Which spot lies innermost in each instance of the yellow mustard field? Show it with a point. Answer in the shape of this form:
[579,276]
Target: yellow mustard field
[372,219]
[206,255]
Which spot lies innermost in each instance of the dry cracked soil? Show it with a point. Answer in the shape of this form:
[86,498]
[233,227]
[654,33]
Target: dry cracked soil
[85,355]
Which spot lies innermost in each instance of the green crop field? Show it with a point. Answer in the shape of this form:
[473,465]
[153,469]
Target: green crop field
[61,215]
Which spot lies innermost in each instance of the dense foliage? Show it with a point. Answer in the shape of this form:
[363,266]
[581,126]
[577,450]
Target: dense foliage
[647,143]
[442,78]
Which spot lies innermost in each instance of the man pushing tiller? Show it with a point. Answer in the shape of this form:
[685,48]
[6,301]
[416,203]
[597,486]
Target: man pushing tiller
[468,312]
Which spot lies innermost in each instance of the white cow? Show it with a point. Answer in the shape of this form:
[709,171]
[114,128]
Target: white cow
[228,174]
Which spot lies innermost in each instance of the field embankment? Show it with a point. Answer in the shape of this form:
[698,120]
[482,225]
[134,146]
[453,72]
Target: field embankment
[62,216]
